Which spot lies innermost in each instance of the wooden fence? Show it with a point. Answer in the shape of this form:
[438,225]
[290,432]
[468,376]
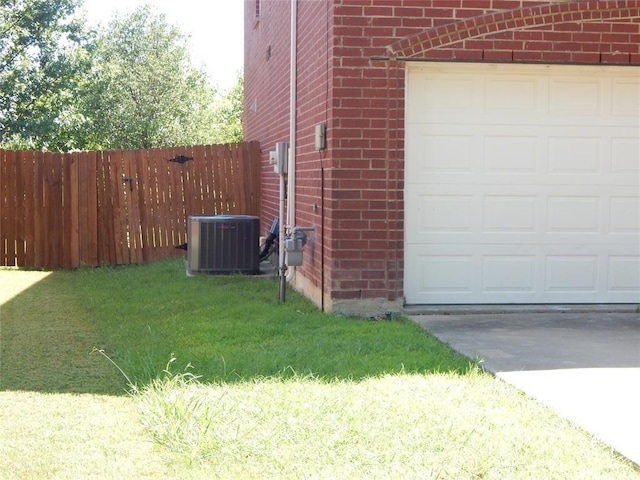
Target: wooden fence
[117,207]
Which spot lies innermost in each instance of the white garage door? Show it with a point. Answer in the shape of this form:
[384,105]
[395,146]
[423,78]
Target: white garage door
[522,184]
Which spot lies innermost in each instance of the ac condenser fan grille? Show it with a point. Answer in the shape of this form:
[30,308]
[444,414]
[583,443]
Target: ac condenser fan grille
[223,244]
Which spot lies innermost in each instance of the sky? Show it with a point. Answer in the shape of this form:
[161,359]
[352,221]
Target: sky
[215,28]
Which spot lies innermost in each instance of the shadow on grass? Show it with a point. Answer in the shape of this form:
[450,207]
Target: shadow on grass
[224,329]
[47,338]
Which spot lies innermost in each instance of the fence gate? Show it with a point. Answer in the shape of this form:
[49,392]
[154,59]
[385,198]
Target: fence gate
[117,207]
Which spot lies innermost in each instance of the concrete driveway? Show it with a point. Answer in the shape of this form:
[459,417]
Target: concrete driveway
[583,362]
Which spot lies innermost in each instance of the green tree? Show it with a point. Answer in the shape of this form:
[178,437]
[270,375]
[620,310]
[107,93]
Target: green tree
[42,56]
[228,114]
[143,91]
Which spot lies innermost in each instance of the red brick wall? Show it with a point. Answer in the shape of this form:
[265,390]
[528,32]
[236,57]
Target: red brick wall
[351,58]
[266,102]
[313,196]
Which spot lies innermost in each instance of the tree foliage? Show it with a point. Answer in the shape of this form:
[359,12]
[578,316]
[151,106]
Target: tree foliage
[228,114]
[143,91]
[129,85]
[41,57]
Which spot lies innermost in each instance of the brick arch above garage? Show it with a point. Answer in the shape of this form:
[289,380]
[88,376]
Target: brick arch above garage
[553,32]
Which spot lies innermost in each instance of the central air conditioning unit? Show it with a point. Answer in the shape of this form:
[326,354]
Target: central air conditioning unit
[223,244]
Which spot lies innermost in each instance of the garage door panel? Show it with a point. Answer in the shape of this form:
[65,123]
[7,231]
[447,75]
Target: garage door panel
[570,214]
[571,96]
[449,274]
[509,214]
[525,189]
[625,157]
[624,216]
[509,274]
[498,153]
[447,152]
[624,274]
[625,99]
[571,273]
[442,93]
[575,155]
[513,95]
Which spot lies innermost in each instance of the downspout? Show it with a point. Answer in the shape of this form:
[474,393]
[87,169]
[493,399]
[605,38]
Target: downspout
[293,104]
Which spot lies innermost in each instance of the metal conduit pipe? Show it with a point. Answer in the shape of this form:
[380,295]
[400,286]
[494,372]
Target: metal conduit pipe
[285,273]
[293,107]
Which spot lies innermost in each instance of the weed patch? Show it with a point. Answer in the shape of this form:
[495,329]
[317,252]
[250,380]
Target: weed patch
[392,426]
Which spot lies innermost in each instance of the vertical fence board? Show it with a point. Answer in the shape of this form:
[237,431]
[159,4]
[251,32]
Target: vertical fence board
[239,204]
[226,171]
[92,210]
[39,217]
[217,159]
[73,216]
[178,210]
[230,173]
[164,179]
[167,207]
[18,204]
[247,175]
[256,169]
[163,206]
[188,183]
[65,254]
[201,176]
[106,235]
[249,168]
[29,208]
[47,203]
[9,225]
[113,191]
[241,177]
[102,226]
[83,208]
[200,172]
[152,205]
[163,225]
[200,164]
[212,178]
[3,206]
[207,193]
[57,209]
[20,209]
[142,175]
[223,199]
[133,213]
[184,171]
[146,207]
[118,209]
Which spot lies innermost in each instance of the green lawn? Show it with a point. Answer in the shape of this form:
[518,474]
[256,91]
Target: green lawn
[284,391]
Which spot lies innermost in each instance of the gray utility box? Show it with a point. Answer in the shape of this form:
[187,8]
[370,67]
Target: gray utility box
[223,244]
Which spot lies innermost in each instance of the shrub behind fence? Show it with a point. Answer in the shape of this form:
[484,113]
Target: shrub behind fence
[117,207]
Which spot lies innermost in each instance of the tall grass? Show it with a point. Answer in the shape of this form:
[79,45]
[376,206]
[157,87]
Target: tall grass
[435,426]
